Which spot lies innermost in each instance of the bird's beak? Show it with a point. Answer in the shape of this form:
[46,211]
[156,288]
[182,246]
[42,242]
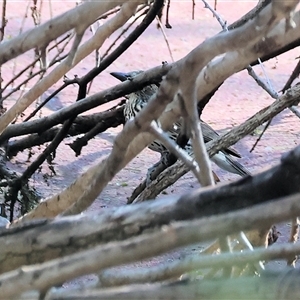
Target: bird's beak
[119,75]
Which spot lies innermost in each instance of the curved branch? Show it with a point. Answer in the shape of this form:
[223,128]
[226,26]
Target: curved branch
[177,234]
[40,36]
[129,40]
[127,9]
[173,173]
[124,222]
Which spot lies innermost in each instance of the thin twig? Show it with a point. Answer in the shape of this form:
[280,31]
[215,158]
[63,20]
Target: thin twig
[20,31]
[107,14]
[98,58]
[294,75]
[243,238]
[2,31]
[193,10]
[174,148]
[31,65]
[266,126]
[24,82]
[168,25]
[76,43]
[173,173]
[57,57]
[165,38]
[10,82]
[90,102]
[114,55]
[294,234]
[124,31]
[267,87]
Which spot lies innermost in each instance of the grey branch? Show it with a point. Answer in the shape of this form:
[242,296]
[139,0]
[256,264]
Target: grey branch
[47,274]
[271,285]
[173,173]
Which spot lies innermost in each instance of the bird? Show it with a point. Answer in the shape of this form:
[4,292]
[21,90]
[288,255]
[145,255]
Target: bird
[137,100]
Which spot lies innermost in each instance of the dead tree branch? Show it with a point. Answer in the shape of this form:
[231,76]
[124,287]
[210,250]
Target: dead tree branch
[173,173]
[271,285]
[90,184]
[120,90]
[173,270]
[137,248]
[97,8]
[277,182]
[82,124]
[79,17]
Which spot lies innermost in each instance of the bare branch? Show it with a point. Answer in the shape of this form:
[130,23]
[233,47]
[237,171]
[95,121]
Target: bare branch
[85,104]
[201,156]
[165,37]
[271,285]
[173,173]
[79,17]
[76,43]
[166,271]
[125,222]
[185,72]
[91,183]
[95,42]
[137,248]
[174,148]
[82,124]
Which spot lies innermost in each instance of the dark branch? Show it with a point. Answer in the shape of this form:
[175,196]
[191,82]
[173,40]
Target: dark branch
[82,124]
[120,90]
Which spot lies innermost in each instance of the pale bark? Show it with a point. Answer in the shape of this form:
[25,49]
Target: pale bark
[195,61]
[19,246]
[270,286]
[166,271]
[84,105]
[79,17]
[174,172]
[175,149]
[45,275]
[211,76]
[144,230]
[91,11]
[92,182]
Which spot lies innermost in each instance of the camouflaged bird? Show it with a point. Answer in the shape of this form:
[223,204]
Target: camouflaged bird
[137,100]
